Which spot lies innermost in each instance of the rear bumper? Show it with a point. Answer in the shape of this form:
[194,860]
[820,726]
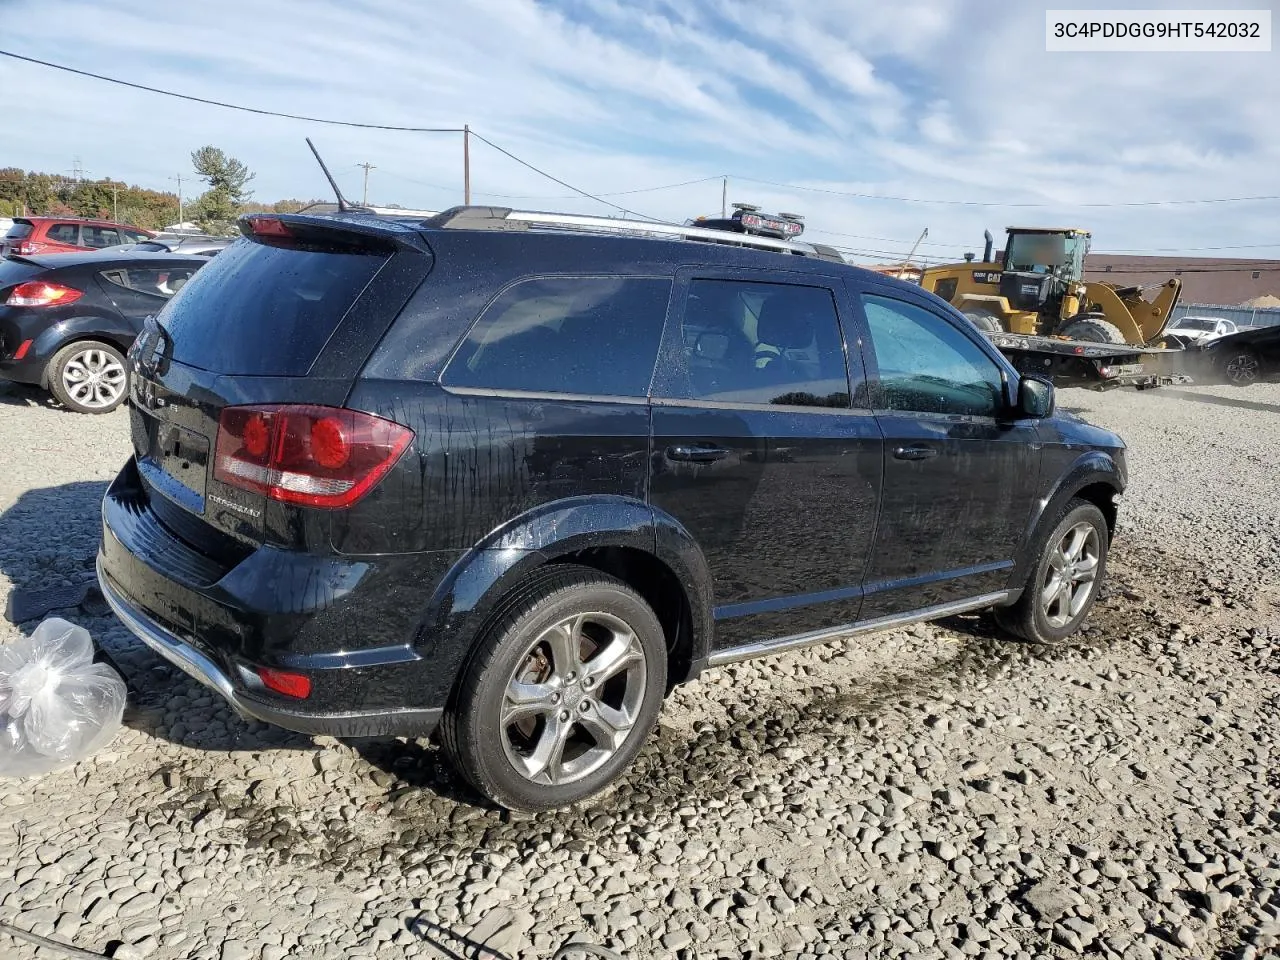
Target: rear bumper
[221,620]
[195,664]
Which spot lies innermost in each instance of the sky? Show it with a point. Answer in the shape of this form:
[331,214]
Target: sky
[945,116]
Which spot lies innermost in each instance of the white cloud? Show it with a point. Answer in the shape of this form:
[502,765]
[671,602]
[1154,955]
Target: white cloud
[912,99]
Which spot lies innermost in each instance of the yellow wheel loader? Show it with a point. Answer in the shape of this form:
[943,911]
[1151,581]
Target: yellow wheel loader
[1038,289]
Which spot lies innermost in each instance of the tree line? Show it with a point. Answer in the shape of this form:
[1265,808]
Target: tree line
[227,196]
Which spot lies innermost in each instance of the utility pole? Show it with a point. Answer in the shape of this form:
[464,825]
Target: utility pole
[466,164]
[724,198]
[181,219]
[115,202]
[367,167]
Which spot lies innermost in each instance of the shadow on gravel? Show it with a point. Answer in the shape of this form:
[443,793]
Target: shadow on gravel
[1223,401]
[24,395]
[49,538]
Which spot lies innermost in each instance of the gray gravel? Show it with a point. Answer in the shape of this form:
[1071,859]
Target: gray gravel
[930,793]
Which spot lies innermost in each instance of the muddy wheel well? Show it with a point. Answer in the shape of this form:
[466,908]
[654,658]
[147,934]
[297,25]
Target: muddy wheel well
[660,587]
[1102,496]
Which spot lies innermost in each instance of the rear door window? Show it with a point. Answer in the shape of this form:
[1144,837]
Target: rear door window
[68,233]
[747,341]
[266,310]
[593,336]
[99,237]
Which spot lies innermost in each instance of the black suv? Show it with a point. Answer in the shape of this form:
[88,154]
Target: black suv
[513,476]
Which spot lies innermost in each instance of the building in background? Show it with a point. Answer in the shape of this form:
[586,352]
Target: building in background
[1205,280]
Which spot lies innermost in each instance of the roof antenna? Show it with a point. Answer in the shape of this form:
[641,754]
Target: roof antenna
[343,206]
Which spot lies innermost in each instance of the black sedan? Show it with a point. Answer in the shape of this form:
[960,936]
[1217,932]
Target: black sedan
[67,320]
[1246,357]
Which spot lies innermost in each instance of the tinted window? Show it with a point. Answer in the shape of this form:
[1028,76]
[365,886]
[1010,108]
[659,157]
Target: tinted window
[64,233]
[18,231]
[773,343]
[265,310]
[133,236]
[98,237]
[587,335]
[154,282]
[926,365]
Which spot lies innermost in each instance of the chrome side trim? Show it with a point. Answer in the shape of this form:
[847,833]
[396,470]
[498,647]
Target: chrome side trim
[765,648]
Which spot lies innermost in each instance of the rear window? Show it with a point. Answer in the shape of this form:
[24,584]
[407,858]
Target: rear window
[265,310]
[19,231]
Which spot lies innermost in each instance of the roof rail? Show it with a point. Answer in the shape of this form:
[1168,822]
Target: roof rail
[504,218]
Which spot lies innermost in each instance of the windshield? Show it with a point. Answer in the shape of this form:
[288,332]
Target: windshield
[1055,253]
[1196,323]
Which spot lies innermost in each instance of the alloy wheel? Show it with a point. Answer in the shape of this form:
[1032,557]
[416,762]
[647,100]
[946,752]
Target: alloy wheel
[94,378]
[1072,575]
[573,698]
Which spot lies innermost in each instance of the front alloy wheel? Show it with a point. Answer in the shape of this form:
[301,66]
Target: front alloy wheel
[1071,575]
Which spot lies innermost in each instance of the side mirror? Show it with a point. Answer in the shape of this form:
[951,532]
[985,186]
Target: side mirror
[1035,398]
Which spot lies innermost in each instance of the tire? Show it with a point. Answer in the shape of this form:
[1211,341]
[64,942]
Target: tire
[515,670]
[986,322]
[1092,330]
[72,371]
[1037,621]
[1241,367]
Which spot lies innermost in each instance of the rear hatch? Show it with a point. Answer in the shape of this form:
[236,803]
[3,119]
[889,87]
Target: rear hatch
[20,230]
[12,274]
[288,318]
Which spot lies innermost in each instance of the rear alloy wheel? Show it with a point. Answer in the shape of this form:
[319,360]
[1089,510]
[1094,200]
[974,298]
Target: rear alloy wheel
[1242,368]
[1092,330]
[562,693]
[1071,562]
[89,377]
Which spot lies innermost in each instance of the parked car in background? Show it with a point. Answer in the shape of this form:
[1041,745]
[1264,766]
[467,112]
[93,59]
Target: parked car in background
[516,475]
[67,320]
[1246,357]
[29,235]
[196,245]
[1192,330]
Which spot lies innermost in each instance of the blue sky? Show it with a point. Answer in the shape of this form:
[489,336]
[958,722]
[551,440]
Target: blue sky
[953,101]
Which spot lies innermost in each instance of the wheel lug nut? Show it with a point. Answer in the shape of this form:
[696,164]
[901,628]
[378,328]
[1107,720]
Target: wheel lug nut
[564,715]
[555,698]
[572,676]
[586,705]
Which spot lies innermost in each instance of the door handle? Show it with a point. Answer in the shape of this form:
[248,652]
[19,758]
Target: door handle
[687,454]
[914,453]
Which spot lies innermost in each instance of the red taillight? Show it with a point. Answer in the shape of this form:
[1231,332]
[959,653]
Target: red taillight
[38,293]
[282,681]
[23,347]
[310,455]
[27,247]
[269,227]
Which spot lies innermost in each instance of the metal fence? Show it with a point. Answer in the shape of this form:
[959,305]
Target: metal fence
[1243,316]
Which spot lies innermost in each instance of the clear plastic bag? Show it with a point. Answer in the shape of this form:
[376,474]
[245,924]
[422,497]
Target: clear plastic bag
[56,705]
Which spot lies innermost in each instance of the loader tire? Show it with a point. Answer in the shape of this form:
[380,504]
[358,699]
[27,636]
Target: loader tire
[986,322]
[1092,330]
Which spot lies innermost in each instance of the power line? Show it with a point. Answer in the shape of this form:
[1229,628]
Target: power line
[567,186]
[228,106]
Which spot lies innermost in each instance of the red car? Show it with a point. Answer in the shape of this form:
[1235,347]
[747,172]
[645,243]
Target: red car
[30,235]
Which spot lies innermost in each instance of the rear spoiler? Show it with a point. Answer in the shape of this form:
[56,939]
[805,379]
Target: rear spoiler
[360,230]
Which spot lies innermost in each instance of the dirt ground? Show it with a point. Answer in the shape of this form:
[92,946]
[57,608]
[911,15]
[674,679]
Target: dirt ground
[935,792]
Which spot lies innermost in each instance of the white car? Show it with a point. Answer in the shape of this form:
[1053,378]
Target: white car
[1200,329]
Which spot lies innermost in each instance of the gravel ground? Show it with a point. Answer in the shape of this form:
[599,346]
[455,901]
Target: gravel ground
[930,793]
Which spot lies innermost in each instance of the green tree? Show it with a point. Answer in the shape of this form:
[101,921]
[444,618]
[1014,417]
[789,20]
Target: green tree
[217,208]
